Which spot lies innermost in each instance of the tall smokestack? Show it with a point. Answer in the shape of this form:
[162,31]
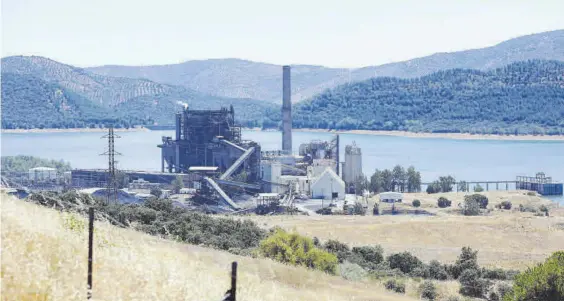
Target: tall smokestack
[286,110]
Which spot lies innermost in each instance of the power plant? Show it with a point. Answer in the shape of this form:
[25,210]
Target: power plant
[212,158]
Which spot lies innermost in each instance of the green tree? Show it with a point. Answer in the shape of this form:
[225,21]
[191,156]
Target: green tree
[447,183]
[467,260]
[481,199]
[361,184]
[177,184]
[413,180]
[478,188]
[387,180]
[462,186]
[543,282]
[416,203]
[377,182]
[428,290]
[471,284]
[399,178]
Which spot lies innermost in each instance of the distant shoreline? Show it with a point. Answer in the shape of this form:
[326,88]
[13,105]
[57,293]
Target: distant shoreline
[454,136]
[77,130]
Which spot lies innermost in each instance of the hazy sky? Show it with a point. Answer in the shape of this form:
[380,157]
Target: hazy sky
[344,33]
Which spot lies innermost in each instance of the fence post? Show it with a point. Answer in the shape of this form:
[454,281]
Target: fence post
[234,281]
[90,249]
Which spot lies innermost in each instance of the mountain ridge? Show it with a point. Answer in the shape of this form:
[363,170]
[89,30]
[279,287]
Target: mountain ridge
[240,78]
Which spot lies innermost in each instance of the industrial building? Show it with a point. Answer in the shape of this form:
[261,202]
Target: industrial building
[215,163]
[352,167]
[539,183]
[42,174]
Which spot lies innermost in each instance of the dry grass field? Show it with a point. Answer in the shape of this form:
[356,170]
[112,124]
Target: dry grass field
[506,239]
[44,257]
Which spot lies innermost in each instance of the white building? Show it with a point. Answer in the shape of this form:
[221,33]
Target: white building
[271,171]
[42,174]
[328,186]
[302,184]
[391,197]
[352,167]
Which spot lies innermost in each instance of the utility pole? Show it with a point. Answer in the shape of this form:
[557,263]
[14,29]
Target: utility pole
[111,182]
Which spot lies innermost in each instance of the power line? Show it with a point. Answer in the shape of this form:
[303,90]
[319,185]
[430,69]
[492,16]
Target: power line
[111,182]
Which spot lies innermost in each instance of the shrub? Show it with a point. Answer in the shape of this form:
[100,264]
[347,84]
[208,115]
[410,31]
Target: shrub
[437,271]
[531,193]
[159,204]
[428,290]
[375,210]
[543,208]
[471,285]
[467,260]
[156,192]
[481,199]
[294,249]
[339,249]
[470,208]
[444,202]
[416,203]
[543,282]
[421,272]
[395,285]
[358,209]
[316,241]
[498,274]
[502,289]
[324,211]
[505,205]
[352,271]
[478,188]
[434,187]
[370,256]
[405,262]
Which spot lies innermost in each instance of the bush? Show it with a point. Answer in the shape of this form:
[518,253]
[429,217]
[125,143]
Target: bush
[294,249]
[543,208]
[395,285]
[358,209]
[531,193]
[505,205]
[437,271]
[478,188]
[339,249]
[352,271]
[324,211]
[416,203]
[501,289]
[481,199]
[156,192]
[405,262]
[375,210]
[370,256]
[543,282]
[163,205]
[467,260]
[428,290]
[444,202]
[498,274]
[471,285]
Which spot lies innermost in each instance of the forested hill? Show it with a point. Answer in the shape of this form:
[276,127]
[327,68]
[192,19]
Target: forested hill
[39,92]
[523,97]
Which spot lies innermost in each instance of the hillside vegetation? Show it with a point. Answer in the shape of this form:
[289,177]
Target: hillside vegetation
[23,163]
[45,259]
[246,79]
[521,98]
[39,92]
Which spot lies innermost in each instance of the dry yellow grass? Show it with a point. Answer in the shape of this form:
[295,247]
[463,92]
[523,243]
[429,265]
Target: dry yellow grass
[44,258]
[504,239]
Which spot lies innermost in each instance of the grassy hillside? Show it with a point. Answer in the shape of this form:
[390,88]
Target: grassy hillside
[44,258]
[524,97]
[246,79]
[508,239]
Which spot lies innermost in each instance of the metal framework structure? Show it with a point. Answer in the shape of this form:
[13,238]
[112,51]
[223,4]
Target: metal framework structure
[111,181]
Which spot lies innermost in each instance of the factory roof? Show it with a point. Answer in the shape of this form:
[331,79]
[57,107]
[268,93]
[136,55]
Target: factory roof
[40,168]
[203,168]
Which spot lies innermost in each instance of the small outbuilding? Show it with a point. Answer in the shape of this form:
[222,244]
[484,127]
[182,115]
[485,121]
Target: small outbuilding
[391,197]
[328,186]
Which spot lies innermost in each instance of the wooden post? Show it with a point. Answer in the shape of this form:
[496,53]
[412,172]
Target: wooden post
[234,281]
[90,249]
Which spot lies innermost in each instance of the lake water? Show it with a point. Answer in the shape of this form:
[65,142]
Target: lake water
[469,160]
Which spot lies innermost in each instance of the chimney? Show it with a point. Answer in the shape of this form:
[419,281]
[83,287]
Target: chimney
[286,110]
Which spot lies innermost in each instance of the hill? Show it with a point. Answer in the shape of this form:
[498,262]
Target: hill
[39,92]
[247,79]
[48,262]
[523,97]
